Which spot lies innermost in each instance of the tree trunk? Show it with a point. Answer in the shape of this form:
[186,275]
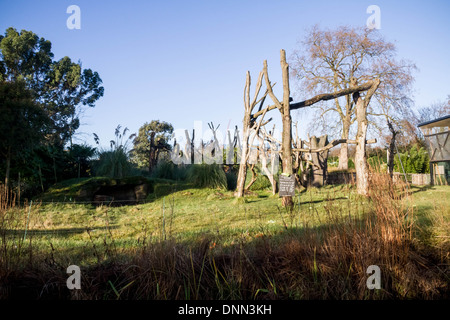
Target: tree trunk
[54,170]
[343,153]
[391,150]
[242,175]
[246,128]
[40,177]
[362,173]
[193,147]
[254,177]
[286,143]
[319,160]
[362,170]
[152,153]
[8,168]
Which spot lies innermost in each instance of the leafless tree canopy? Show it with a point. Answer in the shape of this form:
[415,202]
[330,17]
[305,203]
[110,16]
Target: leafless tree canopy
[327,60]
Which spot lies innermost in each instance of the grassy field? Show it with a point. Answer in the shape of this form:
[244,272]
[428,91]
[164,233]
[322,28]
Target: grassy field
[188,243]
[182,215]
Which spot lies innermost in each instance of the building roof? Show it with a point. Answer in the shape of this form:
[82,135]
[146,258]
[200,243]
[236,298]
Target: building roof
[439,122]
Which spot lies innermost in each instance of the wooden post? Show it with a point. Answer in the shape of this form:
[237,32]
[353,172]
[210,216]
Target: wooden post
[319,160]
[431,173]
[286,143]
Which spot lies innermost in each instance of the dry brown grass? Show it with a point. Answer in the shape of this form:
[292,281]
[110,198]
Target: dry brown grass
[326,261]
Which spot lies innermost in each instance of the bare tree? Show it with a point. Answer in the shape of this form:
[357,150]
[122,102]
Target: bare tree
[249,123]
[435,110]
[285,108]
[329,59]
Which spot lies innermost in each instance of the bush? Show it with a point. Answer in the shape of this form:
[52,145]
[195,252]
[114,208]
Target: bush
[207,176]
[333,161]
[416,160]
[231,180]
[261,183]
[377,162]
[351,164]
[168,170]
[113,164]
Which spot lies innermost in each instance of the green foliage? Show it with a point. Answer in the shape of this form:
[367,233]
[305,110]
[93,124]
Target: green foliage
[46,98]
[23,125]
[24,56]
[207,176]
[22,122]
[140,154]
[114,163]
[416,160]
[78,163]
[60,87]
[231,180]
[261,183]
[351,164]
[333,161]
[377,162]
[168,170]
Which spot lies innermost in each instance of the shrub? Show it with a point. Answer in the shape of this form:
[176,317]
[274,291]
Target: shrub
[231,180]
[351,164]
[261,183]
[416,160]
[113,164]
[168,170]
[207,176]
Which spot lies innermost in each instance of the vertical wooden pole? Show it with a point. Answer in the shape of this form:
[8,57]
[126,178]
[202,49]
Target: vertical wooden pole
[286,144]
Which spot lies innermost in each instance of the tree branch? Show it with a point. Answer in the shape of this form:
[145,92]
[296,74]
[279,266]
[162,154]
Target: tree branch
[329,96]
[332,144]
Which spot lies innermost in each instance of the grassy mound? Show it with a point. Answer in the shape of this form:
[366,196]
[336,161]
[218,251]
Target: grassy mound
[83,189]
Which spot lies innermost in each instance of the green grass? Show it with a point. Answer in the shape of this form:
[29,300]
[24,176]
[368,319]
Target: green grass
[186,214]
[325,230]
[183,215]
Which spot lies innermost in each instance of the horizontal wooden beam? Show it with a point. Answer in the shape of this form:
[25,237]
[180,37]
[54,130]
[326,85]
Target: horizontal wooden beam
[329,96]
[321,97]
[331,145]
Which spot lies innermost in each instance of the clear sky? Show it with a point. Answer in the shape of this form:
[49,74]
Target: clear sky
[182,61]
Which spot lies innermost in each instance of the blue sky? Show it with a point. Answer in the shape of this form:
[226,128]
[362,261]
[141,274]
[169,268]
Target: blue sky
[182,61]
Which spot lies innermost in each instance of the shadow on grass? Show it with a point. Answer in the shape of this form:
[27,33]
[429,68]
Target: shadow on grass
[324,262]
[422,188]
[61,232]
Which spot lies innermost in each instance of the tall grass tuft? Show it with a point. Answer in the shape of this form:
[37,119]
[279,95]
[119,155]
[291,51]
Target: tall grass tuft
[207,176]
[114,163]
[168,170]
